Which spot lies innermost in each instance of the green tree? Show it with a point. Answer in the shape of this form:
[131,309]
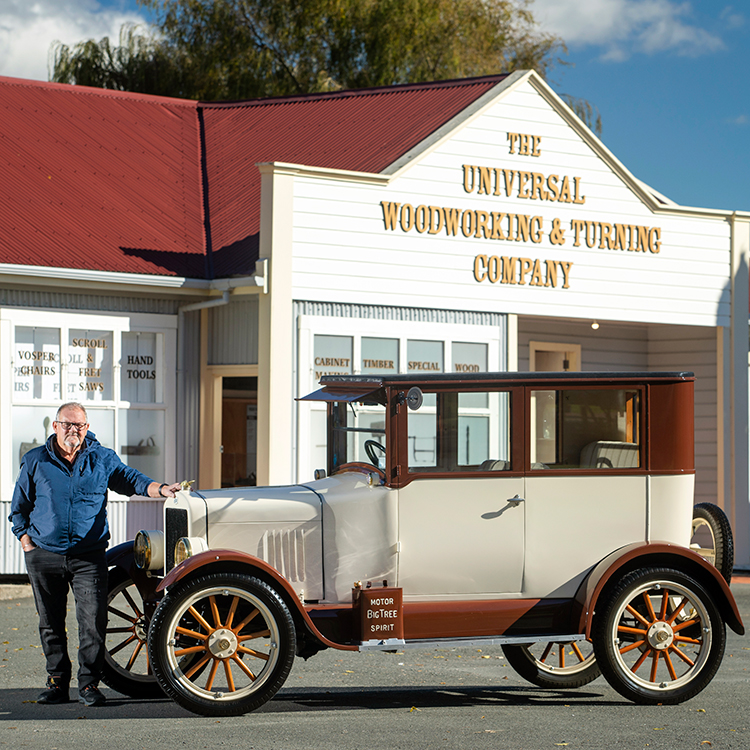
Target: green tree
[244,49]
[140,63]
[230,49]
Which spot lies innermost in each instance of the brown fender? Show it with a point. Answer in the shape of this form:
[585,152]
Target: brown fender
[637,555]
[241,560]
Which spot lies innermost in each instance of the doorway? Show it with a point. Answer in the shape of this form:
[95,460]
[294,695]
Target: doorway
[553,357]
[239,423]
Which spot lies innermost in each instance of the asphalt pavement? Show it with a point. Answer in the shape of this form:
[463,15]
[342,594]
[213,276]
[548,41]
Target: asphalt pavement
[442,698]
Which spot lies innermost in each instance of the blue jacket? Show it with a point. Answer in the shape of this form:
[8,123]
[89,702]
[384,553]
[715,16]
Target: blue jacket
[64,509]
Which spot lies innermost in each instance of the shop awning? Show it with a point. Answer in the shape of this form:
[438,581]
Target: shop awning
[351,393]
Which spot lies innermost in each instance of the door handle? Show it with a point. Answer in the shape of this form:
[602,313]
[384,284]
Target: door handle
[516,500]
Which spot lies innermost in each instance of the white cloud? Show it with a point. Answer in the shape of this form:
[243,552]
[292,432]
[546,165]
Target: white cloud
[731,18]
[739,120]
[624,27]
[27,31]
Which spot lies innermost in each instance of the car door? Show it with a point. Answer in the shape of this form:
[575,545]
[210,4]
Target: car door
[461,515]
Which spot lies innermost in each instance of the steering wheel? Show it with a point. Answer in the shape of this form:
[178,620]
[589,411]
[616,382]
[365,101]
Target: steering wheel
[370,450]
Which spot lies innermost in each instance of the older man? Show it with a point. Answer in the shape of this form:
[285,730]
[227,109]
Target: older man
[59,514]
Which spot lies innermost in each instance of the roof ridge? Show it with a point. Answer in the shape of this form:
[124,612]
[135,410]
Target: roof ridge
[346,93]
[93,91]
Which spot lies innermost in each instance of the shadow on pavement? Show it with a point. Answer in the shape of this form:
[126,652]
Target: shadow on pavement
[19,705]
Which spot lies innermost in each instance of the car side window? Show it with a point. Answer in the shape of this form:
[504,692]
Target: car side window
[460,432]
[585,429]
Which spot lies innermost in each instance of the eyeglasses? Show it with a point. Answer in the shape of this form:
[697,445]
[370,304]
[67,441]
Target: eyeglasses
[73,425]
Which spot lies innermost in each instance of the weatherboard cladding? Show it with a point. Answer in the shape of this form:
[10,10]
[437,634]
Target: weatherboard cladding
[113,181]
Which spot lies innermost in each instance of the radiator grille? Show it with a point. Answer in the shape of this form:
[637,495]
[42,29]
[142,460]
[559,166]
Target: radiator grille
[176,526]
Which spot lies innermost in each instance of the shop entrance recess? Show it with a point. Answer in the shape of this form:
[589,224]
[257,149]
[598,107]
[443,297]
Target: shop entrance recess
[553,357]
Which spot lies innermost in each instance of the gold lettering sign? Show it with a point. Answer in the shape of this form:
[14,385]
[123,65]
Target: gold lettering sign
[35,370]
[90,343]
[521,271]
[512,227]
[528,145]
[332,361]
[522,184]
[381,364]
[432,366]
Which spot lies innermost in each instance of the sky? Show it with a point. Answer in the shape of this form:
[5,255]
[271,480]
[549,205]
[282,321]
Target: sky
[670,78]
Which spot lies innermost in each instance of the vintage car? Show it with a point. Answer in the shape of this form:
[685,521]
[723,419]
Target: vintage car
[550,514]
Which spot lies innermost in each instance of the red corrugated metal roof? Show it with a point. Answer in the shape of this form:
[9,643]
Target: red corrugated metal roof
[99,180]
[364,131]
[112,181]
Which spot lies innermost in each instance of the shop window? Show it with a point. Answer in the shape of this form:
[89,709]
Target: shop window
[118,375]
[460,432]
[141,440]
[333,355]
[36,364]
[379,356]
[585,429]
[32,425]
[141,372]
[90,371]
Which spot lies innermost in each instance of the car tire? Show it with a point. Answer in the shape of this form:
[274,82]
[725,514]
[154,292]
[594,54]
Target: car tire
[712,538]
[554,665]
[126,664]
[658,636]
[197,644]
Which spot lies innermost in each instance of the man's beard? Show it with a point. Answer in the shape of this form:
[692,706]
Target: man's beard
[72,441]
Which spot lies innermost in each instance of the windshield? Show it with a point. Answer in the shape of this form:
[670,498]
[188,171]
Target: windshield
[357,433]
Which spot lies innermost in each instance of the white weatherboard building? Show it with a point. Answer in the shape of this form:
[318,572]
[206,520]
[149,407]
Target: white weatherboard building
[510,239]
[504,237]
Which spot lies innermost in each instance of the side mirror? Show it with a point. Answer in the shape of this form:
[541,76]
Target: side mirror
[414,398]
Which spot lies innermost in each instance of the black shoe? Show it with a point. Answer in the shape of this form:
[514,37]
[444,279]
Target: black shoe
[91,696]
[56,692]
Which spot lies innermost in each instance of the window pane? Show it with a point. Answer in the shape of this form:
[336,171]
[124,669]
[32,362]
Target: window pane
[469,357]
[379,356]
[424,356]
[586,429]
[90,365]
[102,424]
[36,364]
[423,438]
[140,367]
[354,426]
[332,356]
[467,431]
[32,425]
[141,441]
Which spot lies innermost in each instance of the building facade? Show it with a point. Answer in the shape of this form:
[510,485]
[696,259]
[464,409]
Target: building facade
[188,270]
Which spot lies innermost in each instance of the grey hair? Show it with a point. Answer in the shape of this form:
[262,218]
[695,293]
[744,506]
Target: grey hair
[71,405]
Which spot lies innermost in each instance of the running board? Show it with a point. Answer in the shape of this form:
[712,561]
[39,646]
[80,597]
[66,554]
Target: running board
[392,644]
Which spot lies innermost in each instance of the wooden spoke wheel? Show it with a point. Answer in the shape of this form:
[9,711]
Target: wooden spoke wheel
[569,664]
[126,664]
[222,645]
[711,537]
[658,637]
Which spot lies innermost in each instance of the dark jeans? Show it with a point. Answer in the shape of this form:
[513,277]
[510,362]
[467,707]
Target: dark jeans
[51,575]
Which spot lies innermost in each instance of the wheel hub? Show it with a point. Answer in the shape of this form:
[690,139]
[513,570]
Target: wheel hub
[222,643]
[660,636]
[141,628]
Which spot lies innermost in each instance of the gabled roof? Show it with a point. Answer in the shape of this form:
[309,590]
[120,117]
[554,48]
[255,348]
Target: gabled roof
[129,183]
